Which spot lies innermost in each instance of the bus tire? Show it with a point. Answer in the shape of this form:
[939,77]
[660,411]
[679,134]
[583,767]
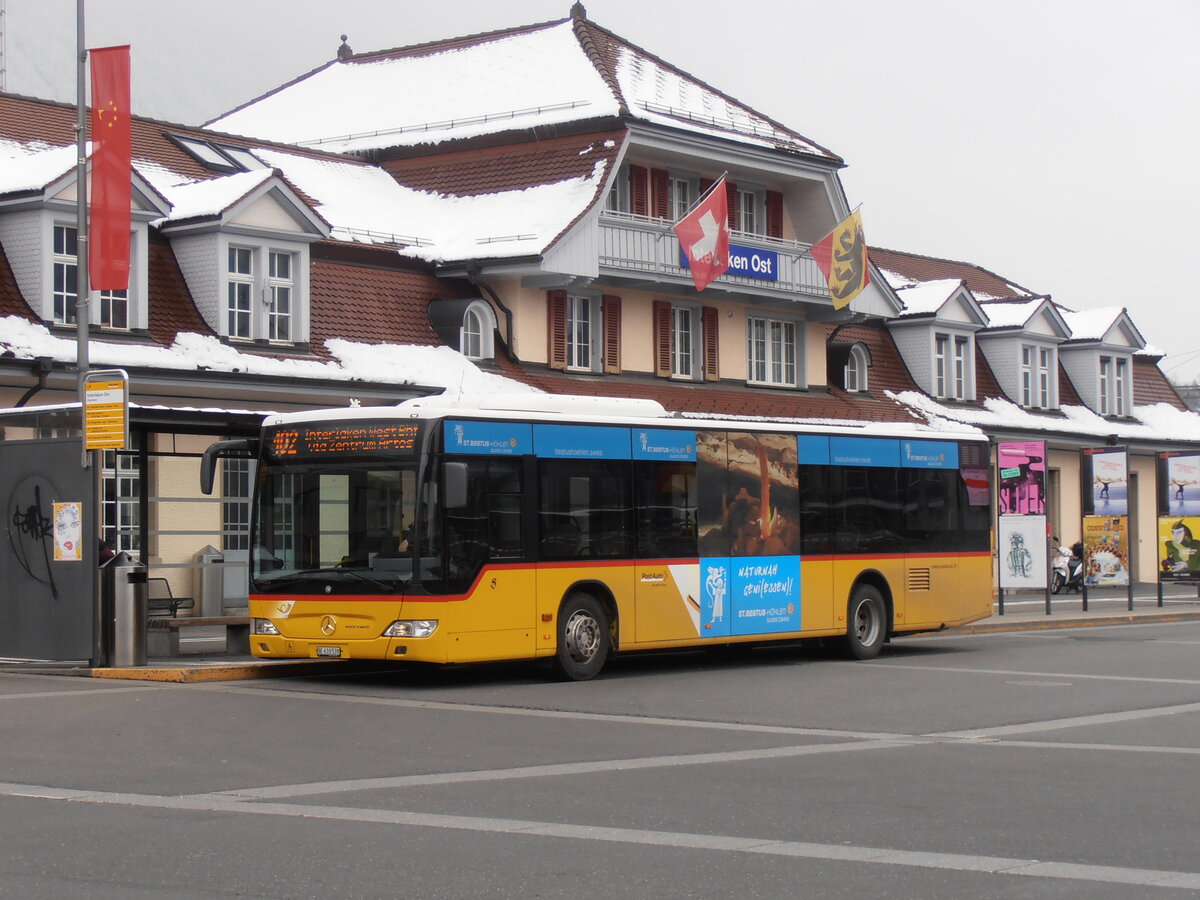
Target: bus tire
[582,638]
[866,623]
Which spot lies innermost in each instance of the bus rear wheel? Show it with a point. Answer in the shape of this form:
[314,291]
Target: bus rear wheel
[866,623]
[582,638]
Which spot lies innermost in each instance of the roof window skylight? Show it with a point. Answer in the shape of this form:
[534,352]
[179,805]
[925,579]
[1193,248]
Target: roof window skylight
[218,157]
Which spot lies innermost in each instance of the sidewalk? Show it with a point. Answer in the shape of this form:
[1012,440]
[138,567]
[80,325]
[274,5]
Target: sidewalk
[1023,611]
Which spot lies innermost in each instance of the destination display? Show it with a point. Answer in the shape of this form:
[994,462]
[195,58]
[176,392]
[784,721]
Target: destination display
[345,439]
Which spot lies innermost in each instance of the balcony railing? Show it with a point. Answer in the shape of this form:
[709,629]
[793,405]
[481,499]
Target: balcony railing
[639,246]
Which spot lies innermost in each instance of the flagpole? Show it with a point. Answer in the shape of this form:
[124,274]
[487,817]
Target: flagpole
[82,281]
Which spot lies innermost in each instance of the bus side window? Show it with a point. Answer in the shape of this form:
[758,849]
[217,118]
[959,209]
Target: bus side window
[586,509]
[666,509]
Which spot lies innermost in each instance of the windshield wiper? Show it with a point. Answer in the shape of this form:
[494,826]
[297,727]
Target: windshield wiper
[268,583]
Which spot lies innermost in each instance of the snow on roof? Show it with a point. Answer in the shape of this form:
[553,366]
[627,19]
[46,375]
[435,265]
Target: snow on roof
[663,95]
[1152,421]
[31,166]
[1011,314]
[1092,324]
[527,79]
[923,298]
[211,196]
[364,203]
[376,363]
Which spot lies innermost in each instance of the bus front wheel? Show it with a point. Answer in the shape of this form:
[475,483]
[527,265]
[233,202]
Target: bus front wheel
[582,638]
[866,623]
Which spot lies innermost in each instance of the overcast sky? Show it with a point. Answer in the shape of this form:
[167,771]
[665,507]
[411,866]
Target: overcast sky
[1051,141]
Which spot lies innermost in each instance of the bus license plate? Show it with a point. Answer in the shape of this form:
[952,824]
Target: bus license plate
[329,651]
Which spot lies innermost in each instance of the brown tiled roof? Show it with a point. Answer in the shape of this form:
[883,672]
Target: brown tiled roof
[376,305]
[494,169]
[986,384]
[29,119]
[1150,385]
[11,301]
[888,371]
[723,399]
[1067,395]
[928,268]
[171,306]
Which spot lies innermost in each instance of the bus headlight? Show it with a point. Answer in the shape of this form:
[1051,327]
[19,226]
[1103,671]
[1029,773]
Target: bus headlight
[418,628]
[262,626]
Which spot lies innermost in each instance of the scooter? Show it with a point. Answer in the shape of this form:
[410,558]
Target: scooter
[1067,573]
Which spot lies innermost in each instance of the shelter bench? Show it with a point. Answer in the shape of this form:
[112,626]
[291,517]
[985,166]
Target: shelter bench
[161,602]
[162,634]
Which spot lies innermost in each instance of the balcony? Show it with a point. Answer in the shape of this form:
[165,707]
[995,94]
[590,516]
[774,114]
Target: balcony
[642,248]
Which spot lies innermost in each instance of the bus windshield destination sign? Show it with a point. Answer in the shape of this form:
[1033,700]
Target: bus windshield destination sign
[372,438]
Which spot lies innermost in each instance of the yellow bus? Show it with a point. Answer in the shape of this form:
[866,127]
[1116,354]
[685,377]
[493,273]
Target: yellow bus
[451,530]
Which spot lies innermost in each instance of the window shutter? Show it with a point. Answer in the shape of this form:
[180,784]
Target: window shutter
[611,311]
[709,322]
[556,329]
[660,186]
[662,338]
[638,199]
[732,203]
[774,214]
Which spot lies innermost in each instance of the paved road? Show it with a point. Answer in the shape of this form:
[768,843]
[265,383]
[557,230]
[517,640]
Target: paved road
[1033,764]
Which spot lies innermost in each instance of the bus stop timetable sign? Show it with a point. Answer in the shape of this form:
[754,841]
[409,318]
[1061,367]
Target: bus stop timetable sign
[106,410]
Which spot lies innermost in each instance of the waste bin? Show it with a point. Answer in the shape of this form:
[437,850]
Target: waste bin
[126,594]
[210,574]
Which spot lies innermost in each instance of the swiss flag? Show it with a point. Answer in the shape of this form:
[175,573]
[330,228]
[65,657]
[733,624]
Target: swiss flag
[704,236]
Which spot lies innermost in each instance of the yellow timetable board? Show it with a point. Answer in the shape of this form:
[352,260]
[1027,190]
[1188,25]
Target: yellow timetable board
[106,415]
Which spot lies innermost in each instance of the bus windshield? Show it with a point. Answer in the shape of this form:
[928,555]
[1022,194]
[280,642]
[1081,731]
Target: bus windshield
[335,527]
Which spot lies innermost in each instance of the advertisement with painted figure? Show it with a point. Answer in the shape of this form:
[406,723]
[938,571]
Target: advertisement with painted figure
[1022,549]
[1179,475]
[1110,482]
[1180,557]
[749,510]
[1105,550]
[1022,467]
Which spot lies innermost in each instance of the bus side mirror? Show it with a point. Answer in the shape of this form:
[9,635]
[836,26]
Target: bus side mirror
[208,462]
[454,485]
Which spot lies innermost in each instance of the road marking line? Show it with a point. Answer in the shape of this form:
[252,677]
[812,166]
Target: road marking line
[447,706]
[995,865]
[953,670]
[552,770]
[1131,715]
[76,693]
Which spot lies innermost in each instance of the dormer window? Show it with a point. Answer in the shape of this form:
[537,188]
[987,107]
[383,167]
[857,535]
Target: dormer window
[952,376]
[66,274]
[266,272]
[1114,386]
[1038,370]
[113,305]
[856,369]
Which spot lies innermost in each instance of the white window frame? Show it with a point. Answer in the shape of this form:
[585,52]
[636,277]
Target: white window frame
[768,351]
[855,377]
[679,197]
[1123,386]
[686,342]
[584,333]
[121,501]
[65,262]
[239,286]
[1115,386]
[476,338]
[750,207]
[281,291]
[276,307]
[953,366]
[1038,367]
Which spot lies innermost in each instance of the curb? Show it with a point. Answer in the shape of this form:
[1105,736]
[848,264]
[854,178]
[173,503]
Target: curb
[987,626]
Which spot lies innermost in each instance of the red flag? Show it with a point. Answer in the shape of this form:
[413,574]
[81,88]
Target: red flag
[704,236]
[842,258]
[108,256]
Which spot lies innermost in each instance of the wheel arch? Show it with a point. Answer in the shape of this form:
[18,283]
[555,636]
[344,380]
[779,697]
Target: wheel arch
[600,591]
[876,579]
